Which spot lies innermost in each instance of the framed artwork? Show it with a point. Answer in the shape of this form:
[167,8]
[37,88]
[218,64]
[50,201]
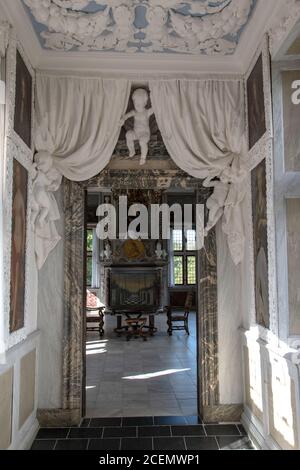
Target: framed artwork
[23,102]
[18,247]
[256,103]
[260,243]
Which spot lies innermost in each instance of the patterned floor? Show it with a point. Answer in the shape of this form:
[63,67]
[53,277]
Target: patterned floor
[158,433]
[152,378]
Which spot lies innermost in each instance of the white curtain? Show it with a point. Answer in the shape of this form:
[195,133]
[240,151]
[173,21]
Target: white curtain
[203,127]
[77,127]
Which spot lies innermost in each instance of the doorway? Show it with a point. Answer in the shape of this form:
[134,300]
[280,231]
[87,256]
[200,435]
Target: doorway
[74,320]
[147,375]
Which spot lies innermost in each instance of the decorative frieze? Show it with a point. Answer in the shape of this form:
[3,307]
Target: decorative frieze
[142,25]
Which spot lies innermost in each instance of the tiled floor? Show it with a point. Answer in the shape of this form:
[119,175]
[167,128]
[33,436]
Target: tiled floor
[153,378]
[158,433]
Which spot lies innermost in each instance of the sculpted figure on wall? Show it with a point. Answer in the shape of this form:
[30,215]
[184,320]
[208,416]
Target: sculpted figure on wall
[141,129]
[46,181]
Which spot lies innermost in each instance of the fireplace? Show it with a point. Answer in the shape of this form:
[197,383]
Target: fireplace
[134,288]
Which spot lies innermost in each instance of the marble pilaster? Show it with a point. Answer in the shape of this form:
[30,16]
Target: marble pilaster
[208,325]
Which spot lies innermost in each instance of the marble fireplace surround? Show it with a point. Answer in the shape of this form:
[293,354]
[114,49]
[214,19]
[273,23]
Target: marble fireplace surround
[74,337]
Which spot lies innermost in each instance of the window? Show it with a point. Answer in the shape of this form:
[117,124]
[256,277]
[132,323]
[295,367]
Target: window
[89,257]
[183,264]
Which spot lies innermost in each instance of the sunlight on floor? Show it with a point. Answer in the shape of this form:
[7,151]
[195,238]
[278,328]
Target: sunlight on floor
[155,374]
[137,378]
[96,347]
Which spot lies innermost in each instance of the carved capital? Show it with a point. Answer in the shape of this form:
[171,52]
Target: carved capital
[4,36]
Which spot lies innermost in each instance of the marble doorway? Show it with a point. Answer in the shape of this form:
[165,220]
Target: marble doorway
[74,337]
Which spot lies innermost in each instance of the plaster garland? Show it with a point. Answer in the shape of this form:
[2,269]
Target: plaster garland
[188,27]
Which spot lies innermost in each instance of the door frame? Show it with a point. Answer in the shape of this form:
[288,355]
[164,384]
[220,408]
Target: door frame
[73,390]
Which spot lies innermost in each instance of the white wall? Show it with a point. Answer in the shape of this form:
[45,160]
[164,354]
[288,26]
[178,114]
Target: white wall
[50,322]
[19,391]
[229,322]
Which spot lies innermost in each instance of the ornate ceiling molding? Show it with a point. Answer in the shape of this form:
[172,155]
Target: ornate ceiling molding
[210,27]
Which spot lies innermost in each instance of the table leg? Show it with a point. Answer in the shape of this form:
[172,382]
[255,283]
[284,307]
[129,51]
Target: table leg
[118,330]
[101,325]
[152,325]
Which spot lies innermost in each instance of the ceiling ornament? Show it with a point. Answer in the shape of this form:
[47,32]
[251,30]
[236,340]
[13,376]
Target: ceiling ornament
[195,27]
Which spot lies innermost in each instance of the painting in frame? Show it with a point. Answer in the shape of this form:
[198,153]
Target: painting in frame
[260,239]
[23,101]
[256,103]
[18,247]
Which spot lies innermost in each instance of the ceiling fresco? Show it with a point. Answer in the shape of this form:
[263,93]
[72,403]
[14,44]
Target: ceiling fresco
[200,27]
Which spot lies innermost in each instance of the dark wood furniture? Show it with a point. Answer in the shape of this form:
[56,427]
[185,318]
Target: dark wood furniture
[95,316]
[135,328]
[178,319]
[95,312]
[133,315]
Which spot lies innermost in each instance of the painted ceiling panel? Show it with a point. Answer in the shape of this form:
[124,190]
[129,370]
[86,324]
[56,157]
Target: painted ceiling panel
[211,27]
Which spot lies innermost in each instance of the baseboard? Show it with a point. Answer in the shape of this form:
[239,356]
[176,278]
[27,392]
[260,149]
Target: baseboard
[222,413]
[255,432]
[29,437]
[59,418]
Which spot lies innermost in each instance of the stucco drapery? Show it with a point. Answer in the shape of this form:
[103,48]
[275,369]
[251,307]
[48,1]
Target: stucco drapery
[203,127]
[77,127]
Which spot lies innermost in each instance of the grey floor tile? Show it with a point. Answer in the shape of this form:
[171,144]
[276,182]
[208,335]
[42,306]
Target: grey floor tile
[104,444]
[43,445]
[120,432]
[113,395]
[201,443]
[136,444]
[169,443]
[52,433]
[188,430]
[151,431]
[72,444]
[234,443]
[85,433]
[222,430]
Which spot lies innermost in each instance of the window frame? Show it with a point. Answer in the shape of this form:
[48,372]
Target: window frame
[185,254]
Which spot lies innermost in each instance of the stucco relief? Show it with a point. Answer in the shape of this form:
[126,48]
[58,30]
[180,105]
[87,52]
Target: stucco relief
[207,27]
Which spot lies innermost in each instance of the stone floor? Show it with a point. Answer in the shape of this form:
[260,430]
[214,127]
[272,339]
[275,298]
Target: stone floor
[136,378]
[158,433]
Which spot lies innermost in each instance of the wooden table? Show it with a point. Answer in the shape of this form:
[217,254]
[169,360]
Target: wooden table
[134,315]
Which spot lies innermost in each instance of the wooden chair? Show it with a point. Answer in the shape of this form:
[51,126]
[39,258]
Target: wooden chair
[95,311]
[178,320]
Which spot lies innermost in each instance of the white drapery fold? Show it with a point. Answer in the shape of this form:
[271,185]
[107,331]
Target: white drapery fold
[77,127]
[203,127]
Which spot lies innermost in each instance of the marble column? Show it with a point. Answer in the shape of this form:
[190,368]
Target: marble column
[208,327]
[74,205]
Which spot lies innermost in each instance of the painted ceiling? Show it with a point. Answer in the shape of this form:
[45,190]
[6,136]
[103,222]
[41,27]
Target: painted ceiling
[211,27]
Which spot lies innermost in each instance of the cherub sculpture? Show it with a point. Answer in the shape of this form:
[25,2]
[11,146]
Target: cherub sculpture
[216,202]
[141,129]
[46,181]
[229,191]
